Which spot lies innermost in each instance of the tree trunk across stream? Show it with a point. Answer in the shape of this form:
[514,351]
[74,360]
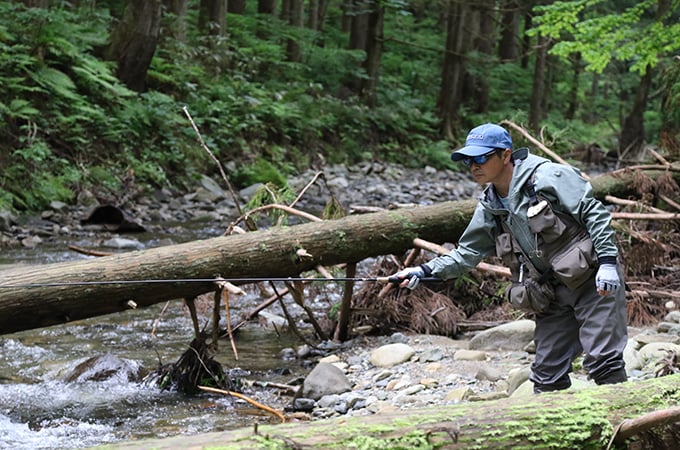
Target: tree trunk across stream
[269,253]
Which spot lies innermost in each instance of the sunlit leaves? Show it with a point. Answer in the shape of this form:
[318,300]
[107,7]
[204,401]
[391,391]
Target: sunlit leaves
[634,35]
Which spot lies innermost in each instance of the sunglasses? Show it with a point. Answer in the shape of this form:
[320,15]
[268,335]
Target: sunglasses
[481,159]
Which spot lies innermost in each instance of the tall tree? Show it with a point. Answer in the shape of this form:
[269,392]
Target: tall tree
[266,6]
[357,12]
[572,101]
[285,10]
[358,31]
[453,67]
[374,49]
[313,15]
[212,17]
[296,20]
[177,10]
[236,6]
[323,10]
[482,39]
[134,40]
[347,15]
[509,45]
[538,87]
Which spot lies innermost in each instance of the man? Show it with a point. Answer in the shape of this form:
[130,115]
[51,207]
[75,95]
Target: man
[541,218]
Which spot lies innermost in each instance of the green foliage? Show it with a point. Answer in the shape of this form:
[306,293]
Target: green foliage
[37,177]
[268,194]
[62,106]
[260,171]
[333,209]
[632,34]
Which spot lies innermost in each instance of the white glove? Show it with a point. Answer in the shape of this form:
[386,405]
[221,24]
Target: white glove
[412,274]
[607,278]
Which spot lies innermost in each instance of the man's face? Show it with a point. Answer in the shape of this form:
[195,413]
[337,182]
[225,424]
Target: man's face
[491,167]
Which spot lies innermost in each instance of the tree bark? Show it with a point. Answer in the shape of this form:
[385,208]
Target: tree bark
[297,20]
[632,139]
[358,25]
[453,68]
[266,6]
[536,112]
[358,35]
[313,15]
[581,419]
[133,42]
[484,41]
[285,10]
[236,6]
[573,102]
[374,48]
[508,47]
[178,10]
[269,253]
[212,17]
[346,22]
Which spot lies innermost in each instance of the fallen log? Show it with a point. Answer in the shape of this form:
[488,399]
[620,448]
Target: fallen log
[584,419]
[28,300]
[33,302]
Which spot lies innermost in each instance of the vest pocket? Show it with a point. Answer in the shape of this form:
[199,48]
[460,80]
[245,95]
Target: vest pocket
[530,296]
[544,222]
[576,264]
[506,250]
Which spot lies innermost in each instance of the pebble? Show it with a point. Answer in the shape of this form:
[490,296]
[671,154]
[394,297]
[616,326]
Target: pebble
[458,374]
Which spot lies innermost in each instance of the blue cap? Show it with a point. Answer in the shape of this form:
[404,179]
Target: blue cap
[482,140]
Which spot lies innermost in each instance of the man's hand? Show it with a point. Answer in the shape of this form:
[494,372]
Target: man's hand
[607,279]
[411,277]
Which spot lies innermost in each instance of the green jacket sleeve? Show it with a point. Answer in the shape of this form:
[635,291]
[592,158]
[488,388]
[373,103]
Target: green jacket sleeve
[476,242]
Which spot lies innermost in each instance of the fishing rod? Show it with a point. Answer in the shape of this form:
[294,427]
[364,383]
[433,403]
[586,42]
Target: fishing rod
[383,280]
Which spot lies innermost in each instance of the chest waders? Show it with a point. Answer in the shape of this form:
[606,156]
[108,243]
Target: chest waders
[572,318]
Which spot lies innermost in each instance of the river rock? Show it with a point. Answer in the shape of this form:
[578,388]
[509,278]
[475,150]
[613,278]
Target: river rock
[673,316]
[105,367]
[7,219]
[123,243]
[469,355]
[648,338]
[391,354]
[324,379]
[516,377]
[631,356]
[509,336]
[652,353]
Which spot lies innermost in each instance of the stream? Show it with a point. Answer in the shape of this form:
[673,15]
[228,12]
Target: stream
[39,410]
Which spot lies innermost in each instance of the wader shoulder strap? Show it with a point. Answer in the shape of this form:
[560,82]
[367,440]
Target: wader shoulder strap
[529,185]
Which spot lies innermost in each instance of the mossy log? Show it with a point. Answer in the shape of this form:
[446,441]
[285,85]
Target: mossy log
[268,253]
[579,419]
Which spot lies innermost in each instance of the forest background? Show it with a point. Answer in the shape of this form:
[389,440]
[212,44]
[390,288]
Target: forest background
[95,95]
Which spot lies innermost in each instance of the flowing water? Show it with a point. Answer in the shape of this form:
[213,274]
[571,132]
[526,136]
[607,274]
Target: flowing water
[39,410]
